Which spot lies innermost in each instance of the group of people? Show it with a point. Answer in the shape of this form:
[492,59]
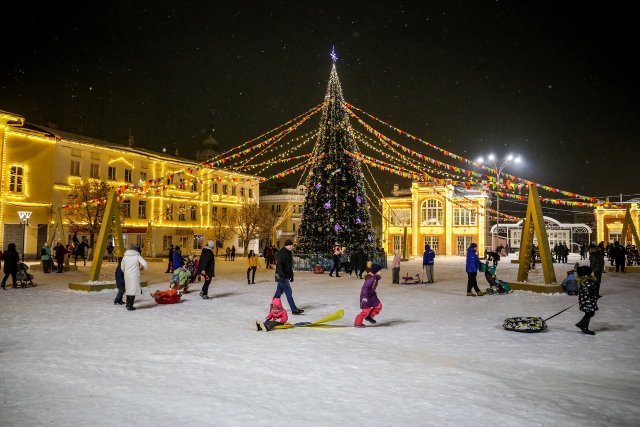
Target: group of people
[269,254]
[561,253]
[370,304]
[352,262]
[617,255]
[230,253]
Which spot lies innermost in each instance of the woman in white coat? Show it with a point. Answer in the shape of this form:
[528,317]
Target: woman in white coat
[132,263]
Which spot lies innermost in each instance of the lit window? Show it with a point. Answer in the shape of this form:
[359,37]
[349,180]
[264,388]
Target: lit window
[95,171]
[142,209]
[111,173]
[126,208]
[194,211]
[463,216]
[143,176]
[181,211]
[431,212]
[16,176]
[75,167]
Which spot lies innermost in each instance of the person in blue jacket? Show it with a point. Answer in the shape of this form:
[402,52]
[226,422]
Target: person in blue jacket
[427,262]
[472,271]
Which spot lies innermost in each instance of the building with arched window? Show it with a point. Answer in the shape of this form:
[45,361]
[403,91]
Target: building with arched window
[447,218]
[572,235]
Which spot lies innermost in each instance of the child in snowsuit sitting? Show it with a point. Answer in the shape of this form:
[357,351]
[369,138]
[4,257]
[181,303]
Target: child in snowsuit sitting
[369,302]
[277,316]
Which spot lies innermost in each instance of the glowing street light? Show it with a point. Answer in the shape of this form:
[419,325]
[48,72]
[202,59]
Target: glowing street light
[499,167]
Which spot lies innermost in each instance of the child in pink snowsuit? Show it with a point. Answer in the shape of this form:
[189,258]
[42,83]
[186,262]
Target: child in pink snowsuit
[369,302]
[277,316]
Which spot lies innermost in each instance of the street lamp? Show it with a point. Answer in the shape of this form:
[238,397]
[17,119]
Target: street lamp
[499,167]
[24,220]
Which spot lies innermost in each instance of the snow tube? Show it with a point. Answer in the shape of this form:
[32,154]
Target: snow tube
[318,269]
[525,324]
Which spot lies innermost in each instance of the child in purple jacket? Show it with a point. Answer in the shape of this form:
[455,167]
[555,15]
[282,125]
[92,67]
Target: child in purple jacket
[369,302]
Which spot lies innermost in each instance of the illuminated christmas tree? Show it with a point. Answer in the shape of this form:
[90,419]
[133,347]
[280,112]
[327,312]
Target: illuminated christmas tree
[336,209]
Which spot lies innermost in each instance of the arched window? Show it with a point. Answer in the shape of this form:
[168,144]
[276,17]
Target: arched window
[431,212]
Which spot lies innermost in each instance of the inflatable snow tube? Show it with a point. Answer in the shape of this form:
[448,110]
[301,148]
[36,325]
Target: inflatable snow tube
[525,324]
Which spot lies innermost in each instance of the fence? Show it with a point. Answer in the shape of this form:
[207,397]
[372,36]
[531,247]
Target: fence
[306,262]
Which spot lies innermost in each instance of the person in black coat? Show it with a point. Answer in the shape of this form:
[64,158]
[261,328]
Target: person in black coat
[284,275]
[11,259]
[170,263]
[362,258]
[207,267]
[119,283]
[587,298]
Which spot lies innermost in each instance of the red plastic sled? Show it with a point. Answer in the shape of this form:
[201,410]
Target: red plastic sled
[170,296]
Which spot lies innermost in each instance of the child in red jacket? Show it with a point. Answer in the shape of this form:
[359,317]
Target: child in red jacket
[277,316]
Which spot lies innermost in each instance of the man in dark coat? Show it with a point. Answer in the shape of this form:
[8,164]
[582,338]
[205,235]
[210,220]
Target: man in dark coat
[60,251]
[207,267]
[170,263]
[11,259]
[596,261]
[619,253]
[362,262]
[284,275]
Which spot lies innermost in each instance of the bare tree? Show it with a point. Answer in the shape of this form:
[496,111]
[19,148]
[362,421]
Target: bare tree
[86,201]
[248,222]
[222,229]
[269,221]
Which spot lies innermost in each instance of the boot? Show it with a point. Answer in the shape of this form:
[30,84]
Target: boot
[480,293]
[370,320]
[471,294]
[132,299]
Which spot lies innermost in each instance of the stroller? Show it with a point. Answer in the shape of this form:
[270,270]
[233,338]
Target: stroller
[23,277]
[496,286]
[181,279]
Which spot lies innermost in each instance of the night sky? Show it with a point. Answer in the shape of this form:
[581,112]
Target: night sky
[554,81]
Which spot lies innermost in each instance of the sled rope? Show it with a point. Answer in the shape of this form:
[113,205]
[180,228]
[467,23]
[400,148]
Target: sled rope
[560,312]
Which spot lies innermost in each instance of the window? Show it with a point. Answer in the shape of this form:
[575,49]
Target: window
[251,193]
[240,244]
[169,181]
[215,188]
[294,226]
[16,176]
[224,188]
[168,212]
[181,212]
[142,209]
[233,190]
[224,213]
[126,208]
[275,208]
[241,191]
[182,183]
[400,217]
[143,176]
[214,211]
[75,167]
[111,173]
[166,242]
[463,216]
[194,211]
[197,241]
[128,175]
[398,244]
[433,242]
[95,171]
[194,185]
[463,242]
[431,212]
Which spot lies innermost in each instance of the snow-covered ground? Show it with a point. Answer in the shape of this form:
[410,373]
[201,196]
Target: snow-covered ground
[436,357]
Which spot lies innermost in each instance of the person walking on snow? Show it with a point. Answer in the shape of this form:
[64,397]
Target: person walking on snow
[254,263]
[120,283]
[277,316]
[284,275]
[132,263]
[587,298]
[472,271]
[395,268]
[60,251]
[207,268]
[45,257]
[369,302]
[427,262]
[11,259]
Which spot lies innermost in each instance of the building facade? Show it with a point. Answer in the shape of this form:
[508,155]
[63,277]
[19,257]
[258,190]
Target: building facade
[287,205]
[610,221]
[447,218]
[179,198]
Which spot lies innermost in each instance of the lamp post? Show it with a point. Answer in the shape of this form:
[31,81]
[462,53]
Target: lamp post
[499,167]
[24,220]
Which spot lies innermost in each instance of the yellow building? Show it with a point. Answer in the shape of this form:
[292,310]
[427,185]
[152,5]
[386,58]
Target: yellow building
[609,222]
[447,218]
[180,199]
[287,205]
